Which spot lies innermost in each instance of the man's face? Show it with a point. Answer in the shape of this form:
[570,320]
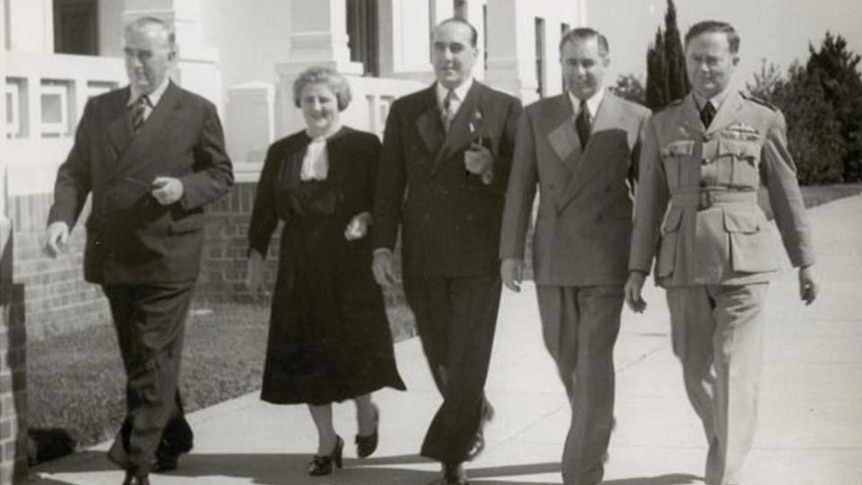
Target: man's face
[583,67]
[452,54]
[709,63]
[148,57]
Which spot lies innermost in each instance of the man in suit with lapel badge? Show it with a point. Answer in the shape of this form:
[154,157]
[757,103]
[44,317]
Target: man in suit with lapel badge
[580,149]
[445,162]
[152,156]
[703,161]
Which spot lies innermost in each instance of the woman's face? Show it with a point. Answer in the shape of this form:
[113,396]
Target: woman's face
[319,107]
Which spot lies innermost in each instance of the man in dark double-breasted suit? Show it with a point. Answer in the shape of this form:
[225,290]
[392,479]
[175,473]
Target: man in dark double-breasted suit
[152,156]
[579,150]
[444,167]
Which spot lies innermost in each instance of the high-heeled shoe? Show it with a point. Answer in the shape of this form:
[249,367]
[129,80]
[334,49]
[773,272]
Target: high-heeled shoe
[323,464]
[367,444]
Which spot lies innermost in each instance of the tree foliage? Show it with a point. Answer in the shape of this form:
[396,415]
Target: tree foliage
[666,76]
[630,87]
[835,67]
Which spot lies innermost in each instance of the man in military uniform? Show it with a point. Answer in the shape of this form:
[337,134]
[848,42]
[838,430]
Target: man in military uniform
[702,162]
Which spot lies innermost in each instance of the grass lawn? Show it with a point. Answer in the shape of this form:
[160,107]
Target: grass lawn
[75,381]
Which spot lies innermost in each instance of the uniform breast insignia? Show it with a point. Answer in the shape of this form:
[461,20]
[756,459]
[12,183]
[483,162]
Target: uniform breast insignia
[740,131]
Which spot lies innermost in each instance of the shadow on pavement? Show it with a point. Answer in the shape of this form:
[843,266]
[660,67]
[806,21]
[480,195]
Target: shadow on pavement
[279,469]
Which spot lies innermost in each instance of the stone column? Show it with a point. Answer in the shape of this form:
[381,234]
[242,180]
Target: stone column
[197,64]
[318,37]
[511,64]
[13,365]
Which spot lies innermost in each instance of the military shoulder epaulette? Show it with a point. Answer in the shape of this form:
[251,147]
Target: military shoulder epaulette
[759,101]
[676,102]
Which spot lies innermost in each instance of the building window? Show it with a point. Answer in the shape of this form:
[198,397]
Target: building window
[362,28]
[76,27]
[540,56]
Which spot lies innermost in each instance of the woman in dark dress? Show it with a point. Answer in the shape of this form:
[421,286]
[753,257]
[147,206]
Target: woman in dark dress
[329,337]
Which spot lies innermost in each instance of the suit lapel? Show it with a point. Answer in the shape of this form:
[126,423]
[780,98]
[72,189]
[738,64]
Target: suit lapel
[428,123]
[119,125]
[591,160]
[562,136]
[691,117]
[726,114]
[460,134]
[168,112]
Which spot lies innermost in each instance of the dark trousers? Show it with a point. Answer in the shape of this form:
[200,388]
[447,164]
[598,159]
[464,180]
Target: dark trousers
[150,324]
[456,319]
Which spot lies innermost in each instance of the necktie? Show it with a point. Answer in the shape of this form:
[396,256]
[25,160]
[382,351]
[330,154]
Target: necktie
[139,108]
[449,109]
[582,123]
[707,114]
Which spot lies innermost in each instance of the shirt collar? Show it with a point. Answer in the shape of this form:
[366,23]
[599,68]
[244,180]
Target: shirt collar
[155,96]
[460,91]
[716,100]
[592,103]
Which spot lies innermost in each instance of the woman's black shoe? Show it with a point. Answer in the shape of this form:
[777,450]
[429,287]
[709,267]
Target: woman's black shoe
[322,464]
[366,445]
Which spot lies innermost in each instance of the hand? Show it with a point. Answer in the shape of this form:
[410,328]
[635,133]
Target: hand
[512,273]
[254,275]
[56,238]
[167,190]
[633,288]
[478,160]
[808,285]
[381,265]
[358,226]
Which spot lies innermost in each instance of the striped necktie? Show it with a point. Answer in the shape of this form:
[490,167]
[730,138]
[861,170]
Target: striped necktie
[139,109]
[449,109]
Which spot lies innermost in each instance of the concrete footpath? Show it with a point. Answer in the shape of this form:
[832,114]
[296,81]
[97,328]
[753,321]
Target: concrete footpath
[810,430]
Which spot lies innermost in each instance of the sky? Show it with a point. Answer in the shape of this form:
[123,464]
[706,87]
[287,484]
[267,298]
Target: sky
[776,30]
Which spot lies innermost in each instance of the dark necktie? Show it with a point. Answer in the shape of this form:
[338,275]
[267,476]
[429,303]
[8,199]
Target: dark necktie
[139,108]
[707,114]
[582,123]
[449,109]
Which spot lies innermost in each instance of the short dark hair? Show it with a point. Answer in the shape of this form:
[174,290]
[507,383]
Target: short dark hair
[474,34]
[710,26]
[323,75]
[143,23]
[585,33]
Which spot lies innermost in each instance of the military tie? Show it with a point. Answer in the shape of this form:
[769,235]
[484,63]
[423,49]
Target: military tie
[707,114]
[139,109]
[582,123]
[450,107]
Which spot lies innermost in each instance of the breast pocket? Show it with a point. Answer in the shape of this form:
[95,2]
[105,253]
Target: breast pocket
[751,248]
[674,157]
[741,163]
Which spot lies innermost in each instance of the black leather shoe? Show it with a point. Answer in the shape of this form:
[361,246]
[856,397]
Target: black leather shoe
[454,474]
[176,440]
[366,445]
[323,464]
[131,479]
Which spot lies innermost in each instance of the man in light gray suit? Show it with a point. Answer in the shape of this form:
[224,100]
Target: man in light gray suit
[580,149]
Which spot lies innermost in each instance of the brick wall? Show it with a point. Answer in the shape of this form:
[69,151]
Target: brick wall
[13,368]
[56,298]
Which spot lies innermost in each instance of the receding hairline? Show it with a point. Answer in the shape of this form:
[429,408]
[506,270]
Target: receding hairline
[584,34]
[144,24]
[474,34]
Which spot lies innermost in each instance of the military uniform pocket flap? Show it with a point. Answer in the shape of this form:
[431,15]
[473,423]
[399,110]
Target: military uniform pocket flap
[739,149]
[672,220]
[741,222]
[683,148]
